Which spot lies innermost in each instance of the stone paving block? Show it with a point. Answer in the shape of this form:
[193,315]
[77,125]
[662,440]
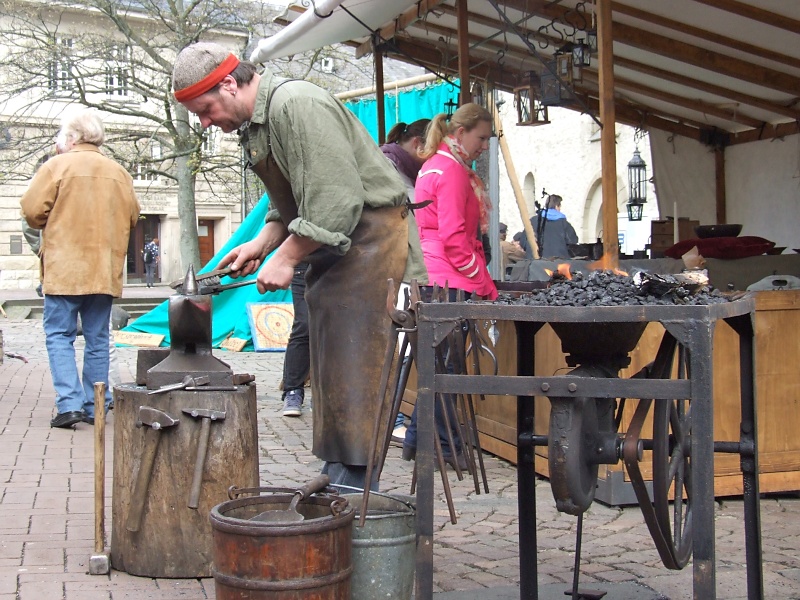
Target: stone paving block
[37,554]
[37,590]
[8,581]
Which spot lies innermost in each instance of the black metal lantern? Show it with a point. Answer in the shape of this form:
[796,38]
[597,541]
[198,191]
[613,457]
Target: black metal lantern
[637,186]
[449,108]
[591,40]
[635,210]
[581,54]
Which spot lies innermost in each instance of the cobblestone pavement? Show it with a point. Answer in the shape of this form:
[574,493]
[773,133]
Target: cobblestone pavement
[46,509]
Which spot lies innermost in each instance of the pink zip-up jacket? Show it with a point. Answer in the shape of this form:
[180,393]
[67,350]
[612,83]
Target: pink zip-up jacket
[448,228]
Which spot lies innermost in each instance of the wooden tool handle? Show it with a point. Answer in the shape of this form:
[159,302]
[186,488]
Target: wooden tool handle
[199,463]
[151,439]
[99,467]
[319,482]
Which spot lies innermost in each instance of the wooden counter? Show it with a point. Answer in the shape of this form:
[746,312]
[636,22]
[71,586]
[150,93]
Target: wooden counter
[777,392]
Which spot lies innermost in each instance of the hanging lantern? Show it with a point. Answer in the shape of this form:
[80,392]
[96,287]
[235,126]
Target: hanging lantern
[449,108]
[637,186]
[635,210]
[581,54]
[591,40]
[530,110]
[478,95]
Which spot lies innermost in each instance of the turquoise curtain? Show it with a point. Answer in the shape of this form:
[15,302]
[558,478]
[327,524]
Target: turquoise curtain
[405,106]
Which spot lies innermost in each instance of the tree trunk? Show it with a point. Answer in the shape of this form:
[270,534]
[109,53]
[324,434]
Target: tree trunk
[186,176]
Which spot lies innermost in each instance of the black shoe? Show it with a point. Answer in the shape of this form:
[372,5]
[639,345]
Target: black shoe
[409,452]
[88,420]
[67,419]
[459,459]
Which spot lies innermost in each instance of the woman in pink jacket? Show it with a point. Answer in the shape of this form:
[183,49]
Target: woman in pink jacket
[451,227]
[450,230]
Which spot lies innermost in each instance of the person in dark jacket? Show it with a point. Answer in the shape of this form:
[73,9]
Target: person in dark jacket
[553,232]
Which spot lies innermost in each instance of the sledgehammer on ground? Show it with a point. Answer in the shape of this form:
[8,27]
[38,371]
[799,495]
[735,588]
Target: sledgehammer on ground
[99,563]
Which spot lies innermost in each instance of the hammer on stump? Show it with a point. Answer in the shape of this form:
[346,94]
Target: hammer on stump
[154,420]
[206,415]
[99,563]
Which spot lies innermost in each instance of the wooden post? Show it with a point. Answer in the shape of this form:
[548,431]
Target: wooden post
[719,176]
[512,175]
[608,139]
[379,91]
[463,51]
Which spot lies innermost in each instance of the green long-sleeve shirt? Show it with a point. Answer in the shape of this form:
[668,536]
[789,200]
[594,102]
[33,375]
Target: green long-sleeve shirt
[333,165]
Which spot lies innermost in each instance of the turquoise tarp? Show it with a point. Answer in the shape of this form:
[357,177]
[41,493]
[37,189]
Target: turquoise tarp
[229,316]
[229,313]
[406,106]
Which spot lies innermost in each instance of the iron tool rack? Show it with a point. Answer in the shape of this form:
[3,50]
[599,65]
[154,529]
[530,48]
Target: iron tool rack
[691,327]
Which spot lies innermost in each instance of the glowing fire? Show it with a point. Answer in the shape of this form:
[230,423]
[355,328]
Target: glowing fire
[562,270]
[606,264]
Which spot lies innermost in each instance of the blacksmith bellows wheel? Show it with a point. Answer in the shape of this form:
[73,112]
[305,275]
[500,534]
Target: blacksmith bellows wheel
[583,435]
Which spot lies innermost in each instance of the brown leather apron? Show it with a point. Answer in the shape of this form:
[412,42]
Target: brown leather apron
[348,322]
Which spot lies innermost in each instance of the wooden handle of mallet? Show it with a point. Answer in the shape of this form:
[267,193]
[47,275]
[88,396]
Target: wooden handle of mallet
[99,467]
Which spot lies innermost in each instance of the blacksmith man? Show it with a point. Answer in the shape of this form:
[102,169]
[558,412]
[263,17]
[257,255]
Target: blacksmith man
[338,205]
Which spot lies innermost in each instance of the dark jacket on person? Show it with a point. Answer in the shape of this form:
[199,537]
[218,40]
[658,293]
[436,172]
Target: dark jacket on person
[557,234]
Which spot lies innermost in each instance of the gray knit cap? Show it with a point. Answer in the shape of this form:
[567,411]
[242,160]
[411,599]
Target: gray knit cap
[195,62]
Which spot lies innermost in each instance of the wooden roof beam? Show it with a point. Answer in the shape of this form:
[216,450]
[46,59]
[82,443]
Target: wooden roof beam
[690,103]
[431,58]
[748,11]
[703,86]
[709,36]
[674,49]
[403,20]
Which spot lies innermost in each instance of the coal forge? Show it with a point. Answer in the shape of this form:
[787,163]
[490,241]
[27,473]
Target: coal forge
[608,288]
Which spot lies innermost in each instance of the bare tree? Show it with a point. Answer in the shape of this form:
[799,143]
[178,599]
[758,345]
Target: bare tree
[117,56]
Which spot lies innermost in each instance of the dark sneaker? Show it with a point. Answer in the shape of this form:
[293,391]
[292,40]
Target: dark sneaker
[293,403]
[67,419]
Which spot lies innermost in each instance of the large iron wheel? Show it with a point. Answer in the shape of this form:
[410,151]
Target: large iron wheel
[672,491]
[669,514]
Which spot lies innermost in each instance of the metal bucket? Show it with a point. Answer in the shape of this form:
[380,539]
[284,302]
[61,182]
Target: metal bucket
[257,560]
[384,549]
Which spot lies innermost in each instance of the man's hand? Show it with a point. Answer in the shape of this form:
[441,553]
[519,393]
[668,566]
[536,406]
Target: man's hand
[244,259]
[247,258]
[276,275]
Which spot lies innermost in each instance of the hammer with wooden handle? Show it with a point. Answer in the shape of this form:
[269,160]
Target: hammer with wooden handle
[155,420]
[206,415]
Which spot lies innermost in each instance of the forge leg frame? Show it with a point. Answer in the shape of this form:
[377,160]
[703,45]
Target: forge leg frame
[693,326]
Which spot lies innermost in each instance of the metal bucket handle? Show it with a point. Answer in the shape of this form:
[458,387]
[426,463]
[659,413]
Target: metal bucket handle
[337,506]
[356,489]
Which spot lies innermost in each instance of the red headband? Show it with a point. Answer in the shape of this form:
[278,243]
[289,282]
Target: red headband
[224,69]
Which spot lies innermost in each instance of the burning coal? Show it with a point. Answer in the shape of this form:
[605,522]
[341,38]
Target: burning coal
[607,288]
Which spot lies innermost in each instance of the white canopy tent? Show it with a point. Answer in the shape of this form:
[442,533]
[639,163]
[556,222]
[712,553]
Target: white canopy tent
[715,82]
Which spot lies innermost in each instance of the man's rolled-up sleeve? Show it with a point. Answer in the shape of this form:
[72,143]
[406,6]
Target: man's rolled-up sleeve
[322,171]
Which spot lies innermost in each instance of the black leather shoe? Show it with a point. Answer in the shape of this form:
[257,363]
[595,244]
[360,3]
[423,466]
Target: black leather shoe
[88,420]
[67,419]
[409,452]
[459,458]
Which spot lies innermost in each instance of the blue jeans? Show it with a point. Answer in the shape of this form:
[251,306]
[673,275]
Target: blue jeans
[150,273]
[74,393]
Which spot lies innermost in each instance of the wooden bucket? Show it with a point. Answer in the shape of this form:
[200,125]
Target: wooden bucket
[257,560]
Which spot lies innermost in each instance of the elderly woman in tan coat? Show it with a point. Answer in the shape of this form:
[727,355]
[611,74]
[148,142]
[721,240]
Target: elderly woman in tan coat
[85,205]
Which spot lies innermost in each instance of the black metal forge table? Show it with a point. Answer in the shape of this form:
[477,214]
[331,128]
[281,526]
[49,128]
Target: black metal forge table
[585,332]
